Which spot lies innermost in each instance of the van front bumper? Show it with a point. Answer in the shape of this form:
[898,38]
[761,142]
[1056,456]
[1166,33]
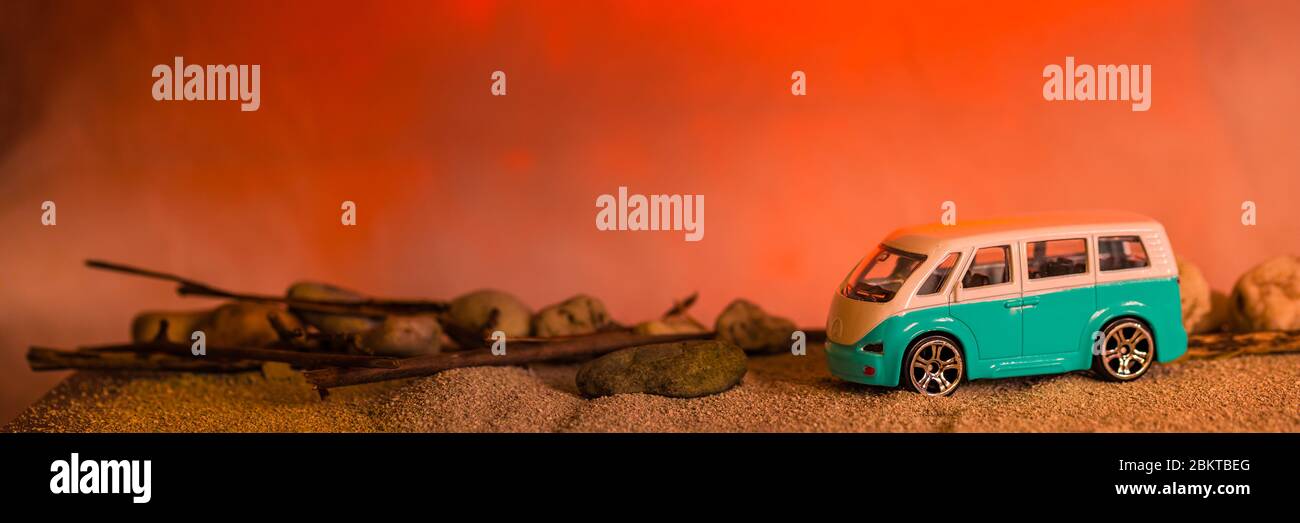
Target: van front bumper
[851,363]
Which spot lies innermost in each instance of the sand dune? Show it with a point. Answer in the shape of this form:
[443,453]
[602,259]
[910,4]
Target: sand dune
[780,393]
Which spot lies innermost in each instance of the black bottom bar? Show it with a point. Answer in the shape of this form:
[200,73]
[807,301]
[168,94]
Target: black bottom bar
[487,471]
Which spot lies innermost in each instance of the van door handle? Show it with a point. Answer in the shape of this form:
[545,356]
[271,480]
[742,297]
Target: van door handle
[1011,304]
[1030,301]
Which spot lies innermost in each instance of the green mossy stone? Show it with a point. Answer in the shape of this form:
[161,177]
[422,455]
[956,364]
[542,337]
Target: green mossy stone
[686,369]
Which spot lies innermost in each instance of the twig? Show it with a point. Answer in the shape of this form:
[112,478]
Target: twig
[811,336]
[301,339]
[680,307]
[370,307]
[46,359]
[591,345]
[297,358]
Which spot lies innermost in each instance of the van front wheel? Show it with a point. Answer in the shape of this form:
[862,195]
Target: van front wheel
[1126,351]
[933,366]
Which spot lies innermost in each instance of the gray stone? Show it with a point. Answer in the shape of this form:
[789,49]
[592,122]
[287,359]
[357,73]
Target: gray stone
[405,336]
[180,324]
[467,317]
[1267,297]
[580,314]
[749,327]
[330,323]
[244,324]
[1194,293]
[676,324]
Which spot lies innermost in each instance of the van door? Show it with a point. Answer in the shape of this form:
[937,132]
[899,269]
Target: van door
[988,301]
[1060,294]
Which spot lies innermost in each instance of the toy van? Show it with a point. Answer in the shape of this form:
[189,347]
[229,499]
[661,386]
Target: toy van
[935,305]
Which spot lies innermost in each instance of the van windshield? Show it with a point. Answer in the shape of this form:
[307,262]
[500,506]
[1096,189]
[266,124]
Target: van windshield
[879,276]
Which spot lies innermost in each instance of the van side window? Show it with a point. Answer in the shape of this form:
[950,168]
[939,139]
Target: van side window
[1057,258]
[991,266]
[939,277]
[1121,252]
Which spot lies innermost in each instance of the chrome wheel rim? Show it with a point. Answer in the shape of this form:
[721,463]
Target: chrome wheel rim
[1127,352]
[936,367]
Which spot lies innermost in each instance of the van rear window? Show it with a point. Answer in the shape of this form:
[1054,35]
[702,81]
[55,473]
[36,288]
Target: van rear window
[1121,252]
[1057,258]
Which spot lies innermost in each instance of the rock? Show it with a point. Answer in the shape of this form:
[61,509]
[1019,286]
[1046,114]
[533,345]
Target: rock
[1219,317]
[180,324]
[467,317]
[676,324]
[405,336]
[278,371]
[1194,293]
[685,369]
[749,327]
[580,314]
[1267,297]
[244,324]
[330,323]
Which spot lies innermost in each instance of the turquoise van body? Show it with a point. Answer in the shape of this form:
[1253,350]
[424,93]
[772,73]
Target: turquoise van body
[1045,333]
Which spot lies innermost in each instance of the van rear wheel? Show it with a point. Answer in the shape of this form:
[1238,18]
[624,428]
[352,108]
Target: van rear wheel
[933,366]
[1126,351]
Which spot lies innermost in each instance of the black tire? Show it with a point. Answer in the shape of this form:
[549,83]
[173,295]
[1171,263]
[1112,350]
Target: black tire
[933,366]
[1127,351]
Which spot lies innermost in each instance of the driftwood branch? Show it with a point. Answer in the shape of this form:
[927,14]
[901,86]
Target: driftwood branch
[591,345]
[46,359]
[161,354]
[189,287]
[1226,345]
[293,357]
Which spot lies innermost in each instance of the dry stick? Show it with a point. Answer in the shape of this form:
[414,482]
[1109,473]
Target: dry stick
[810,335]
[1225,345]
[680,307]
[372,308]
[294,355]
[43,359]
[432,364]
[298,358]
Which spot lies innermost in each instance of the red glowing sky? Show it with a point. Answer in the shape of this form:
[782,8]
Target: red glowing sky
[390,108]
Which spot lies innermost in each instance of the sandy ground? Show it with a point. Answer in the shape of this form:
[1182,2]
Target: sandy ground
[780,393]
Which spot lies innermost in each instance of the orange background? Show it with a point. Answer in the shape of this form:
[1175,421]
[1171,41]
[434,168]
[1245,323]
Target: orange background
[389,106]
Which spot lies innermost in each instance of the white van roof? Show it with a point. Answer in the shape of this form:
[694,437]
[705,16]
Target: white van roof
[923,239]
